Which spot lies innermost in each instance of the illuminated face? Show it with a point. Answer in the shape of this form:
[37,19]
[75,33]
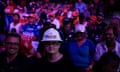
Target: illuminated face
[31,20]
[15,18]
[52,47]
[79,0]
[12,45]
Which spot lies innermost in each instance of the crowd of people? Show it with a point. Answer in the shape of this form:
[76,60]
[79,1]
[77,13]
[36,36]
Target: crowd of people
[67,36]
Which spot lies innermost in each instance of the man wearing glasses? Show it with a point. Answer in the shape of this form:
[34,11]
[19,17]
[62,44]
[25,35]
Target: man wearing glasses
[12,60]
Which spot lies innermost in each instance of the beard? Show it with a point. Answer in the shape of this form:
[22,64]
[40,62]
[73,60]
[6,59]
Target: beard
[110,42]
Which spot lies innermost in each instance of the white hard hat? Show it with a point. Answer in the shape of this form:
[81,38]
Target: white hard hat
[51,35]
[80,28]
[16,11]
[25,15]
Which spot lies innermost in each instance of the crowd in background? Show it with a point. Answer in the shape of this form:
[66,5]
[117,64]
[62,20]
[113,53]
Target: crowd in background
[83,40]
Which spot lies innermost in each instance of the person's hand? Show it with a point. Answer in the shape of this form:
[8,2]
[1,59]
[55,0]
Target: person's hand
[90,68]
[38,55]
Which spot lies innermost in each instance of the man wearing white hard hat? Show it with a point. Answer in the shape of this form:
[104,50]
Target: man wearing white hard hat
[53,59]
[81,50]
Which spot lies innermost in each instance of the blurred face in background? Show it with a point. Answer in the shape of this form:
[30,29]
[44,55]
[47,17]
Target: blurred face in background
[51,18]
[33,10]
[115,21]
[112,2]
[9,2]
[100,18]
[46,0]
[67,27]
[16,18]
[80,36]
[31,20]
[92,22]
[79,1]
[109,35]
[96,1]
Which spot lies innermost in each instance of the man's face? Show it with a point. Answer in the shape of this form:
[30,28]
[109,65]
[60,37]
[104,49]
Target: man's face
[80,36]
[12,45]
[109,35]
[31,20]
[15,18]
[67,27]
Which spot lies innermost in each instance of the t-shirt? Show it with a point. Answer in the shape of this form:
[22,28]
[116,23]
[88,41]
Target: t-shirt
[17,27]
[31,30]
[63,65]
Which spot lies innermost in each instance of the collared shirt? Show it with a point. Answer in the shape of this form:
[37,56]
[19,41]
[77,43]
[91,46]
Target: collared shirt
[101,48]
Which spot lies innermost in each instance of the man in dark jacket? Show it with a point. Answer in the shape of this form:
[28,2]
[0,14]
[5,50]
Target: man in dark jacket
[12,60]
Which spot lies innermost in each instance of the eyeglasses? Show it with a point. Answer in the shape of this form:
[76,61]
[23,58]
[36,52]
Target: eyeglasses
[52,43]
[10,43]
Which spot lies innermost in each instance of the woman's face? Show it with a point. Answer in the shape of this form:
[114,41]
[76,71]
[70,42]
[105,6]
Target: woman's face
[67,27]
[52,47]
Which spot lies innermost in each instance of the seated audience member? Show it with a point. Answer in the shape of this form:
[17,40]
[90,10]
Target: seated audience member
[108,62]
[52,59]
[15,24]
[109,43]
[81,50]
[67,30]
[31,30]
[12,60]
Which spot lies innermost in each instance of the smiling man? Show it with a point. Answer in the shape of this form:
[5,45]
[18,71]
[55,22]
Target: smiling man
[12,46]
[109,43]
[12,60]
